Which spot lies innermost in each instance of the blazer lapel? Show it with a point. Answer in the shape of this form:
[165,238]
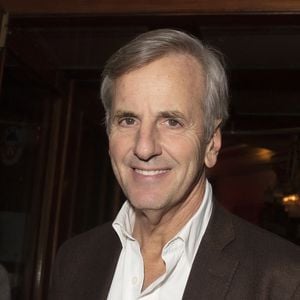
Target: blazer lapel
[99,266]
[107,263]
[212,269]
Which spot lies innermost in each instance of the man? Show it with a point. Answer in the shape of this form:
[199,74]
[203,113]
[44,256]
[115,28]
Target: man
[165,96]
[4,284]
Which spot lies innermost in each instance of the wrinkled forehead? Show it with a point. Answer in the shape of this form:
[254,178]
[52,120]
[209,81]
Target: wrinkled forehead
[171,84]
[170,72]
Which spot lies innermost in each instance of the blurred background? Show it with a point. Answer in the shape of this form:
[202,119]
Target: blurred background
[55,176]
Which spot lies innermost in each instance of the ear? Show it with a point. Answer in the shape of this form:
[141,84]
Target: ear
[212,149]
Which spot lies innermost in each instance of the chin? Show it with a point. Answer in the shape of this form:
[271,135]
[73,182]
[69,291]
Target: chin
[147,203]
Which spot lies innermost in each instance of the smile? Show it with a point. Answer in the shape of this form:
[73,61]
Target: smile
[150,172]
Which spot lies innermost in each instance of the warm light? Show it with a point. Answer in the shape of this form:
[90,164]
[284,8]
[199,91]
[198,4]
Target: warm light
[292,205]
[291,198]
[264,154]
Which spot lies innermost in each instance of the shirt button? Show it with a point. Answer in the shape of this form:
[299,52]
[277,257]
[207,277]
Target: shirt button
[134,280]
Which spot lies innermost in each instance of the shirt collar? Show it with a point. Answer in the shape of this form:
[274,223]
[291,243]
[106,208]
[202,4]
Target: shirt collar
[194,229]
[124,223]
[191,234]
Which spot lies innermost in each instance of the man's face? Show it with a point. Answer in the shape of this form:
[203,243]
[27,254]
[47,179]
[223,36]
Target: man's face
[155,137]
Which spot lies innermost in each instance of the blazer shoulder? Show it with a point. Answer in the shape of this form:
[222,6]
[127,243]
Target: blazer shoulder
[84,265]
[262,243]
[92,241]
[266,262]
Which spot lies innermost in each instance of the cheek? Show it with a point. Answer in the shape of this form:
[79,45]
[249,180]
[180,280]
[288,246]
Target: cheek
[114,149]
[187,150]
[116,159]
[119,146]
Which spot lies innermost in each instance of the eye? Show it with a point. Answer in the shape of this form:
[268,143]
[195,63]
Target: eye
[127,121]
[173,123]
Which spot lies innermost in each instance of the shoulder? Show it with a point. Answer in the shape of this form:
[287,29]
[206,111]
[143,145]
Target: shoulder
[84,263]
[91,236]
[260,245]
[90,243]
[260,238]
[267,261]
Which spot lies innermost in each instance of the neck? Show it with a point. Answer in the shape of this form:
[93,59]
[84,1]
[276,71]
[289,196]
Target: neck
[157,227]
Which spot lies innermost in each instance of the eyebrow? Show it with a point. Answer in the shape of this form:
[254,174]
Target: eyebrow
[162,114]
[171,114]
[124,114]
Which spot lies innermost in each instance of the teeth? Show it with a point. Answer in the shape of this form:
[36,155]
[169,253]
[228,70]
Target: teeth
[150,172]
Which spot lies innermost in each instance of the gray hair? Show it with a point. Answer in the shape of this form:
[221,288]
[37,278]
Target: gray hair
[155,44]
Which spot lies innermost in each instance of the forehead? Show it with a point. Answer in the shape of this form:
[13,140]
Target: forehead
[172,78]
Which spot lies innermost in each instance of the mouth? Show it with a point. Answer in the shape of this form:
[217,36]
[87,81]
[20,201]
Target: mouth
[150,172]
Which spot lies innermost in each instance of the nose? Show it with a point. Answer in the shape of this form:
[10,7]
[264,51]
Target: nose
[147,144]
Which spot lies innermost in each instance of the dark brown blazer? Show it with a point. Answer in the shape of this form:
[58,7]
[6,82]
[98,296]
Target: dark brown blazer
[236,261]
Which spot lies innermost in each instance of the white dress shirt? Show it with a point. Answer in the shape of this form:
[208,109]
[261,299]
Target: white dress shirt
[178,255]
